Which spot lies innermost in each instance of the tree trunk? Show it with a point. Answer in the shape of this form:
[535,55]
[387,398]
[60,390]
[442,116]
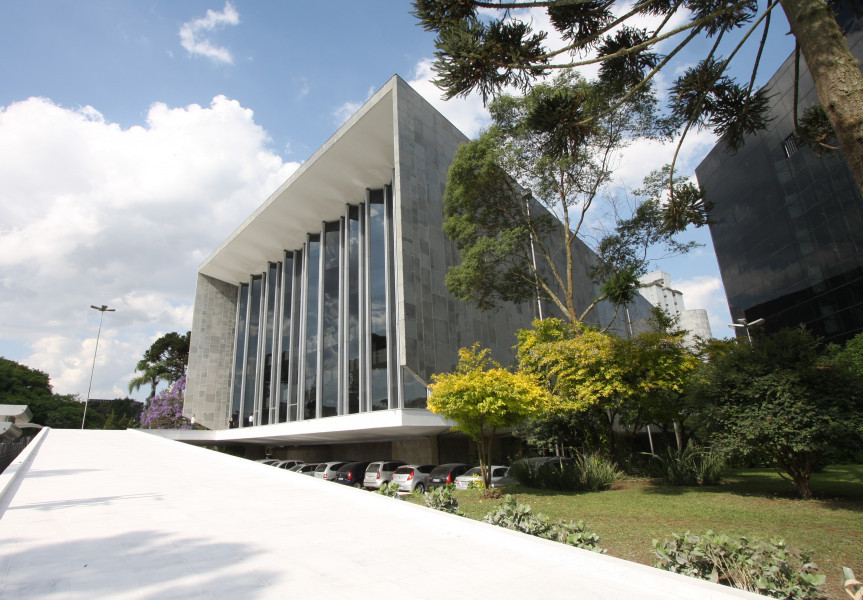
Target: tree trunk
[836,73]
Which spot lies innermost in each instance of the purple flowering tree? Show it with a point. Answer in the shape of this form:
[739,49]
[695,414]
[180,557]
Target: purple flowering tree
[165,410]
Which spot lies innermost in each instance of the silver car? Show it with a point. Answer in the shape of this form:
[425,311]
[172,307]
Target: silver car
[380,472]
[499,477]
[328,470]
[412,477]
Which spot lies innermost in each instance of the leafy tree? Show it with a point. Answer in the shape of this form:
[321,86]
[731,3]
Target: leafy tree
[482,398]
[20,384]
[783,401]
[517,197]
[636,381]
[477,52]
[165,411]
[564,433]
[851,355]
[165,360]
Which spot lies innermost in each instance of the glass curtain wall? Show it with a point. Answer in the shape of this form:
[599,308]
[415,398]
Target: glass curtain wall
[315,332]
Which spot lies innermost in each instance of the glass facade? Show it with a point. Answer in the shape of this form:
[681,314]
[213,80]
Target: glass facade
[327,311]
[788,224]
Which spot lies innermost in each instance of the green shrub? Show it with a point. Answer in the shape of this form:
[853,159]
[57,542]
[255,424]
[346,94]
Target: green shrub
[443,498]
[588,473]
[390,488]
[518,517]
[767,568]
[691,466]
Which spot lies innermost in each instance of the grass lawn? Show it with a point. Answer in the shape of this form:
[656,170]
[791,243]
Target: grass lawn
[752,502]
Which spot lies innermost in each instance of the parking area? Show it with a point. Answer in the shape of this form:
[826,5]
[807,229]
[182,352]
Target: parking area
[124,514]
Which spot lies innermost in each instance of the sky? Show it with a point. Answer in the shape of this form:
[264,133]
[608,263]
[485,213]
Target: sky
[136,135]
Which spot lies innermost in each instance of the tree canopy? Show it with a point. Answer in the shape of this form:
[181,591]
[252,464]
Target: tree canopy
[488,46]
[165,360]
[782,400]
[482,398]
[518,196]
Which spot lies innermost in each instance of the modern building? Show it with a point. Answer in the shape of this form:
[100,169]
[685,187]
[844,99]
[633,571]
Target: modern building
[788,224]
[656,288]
[320,321]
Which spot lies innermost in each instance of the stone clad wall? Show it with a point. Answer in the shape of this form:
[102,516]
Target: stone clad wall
[211,352]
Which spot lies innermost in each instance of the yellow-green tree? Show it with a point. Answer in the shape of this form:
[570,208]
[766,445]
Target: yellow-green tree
[482,397]
[639,379]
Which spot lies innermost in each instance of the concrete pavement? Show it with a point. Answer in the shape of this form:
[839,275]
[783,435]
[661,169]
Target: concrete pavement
[125,514]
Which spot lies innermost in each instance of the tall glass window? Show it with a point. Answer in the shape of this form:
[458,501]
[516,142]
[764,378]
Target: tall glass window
[414,391]
[273,281]
[378,301]
[249,380]
[310,371]
[288,338]
[239,355]
[352,335]
[330,321]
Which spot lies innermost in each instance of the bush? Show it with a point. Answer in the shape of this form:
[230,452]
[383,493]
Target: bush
[691,466]
[391,489]
[443,498]
[587,473]
[767,568]
[510,514]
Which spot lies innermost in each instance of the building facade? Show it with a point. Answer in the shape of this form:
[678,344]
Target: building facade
[787,223]
[322,318]
[656,288]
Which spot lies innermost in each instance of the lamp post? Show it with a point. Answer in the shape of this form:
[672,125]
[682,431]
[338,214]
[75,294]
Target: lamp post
[744,324]
[102,310]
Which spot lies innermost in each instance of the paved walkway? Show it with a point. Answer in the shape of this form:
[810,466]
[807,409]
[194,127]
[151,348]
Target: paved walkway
[124,514]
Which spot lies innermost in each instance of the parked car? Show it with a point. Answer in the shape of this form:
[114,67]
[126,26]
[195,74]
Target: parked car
[499,477]
[287,464]
[412,477]
[380,472]
[267,461]
[352,474]
[306,469]
[444,474]
[328,470]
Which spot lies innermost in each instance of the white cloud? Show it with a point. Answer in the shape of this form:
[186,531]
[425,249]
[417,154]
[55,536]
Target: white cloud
[193,34]
[706,291]
[348,109]
[468,114]
[97,214]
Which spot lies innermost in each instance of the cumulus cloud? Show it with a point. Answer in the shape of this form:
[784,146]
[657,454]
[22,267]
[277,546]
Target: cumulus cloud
[706,291]
[348,109]
[193,34]
[98,214]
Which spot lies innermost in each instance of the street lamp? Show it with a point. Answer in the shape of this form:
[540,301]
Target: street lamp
[744,324]
[102,310]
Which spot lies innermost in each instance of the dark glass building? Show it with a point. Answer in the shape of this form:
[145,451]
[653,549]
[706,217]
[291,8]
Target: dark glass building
[788,224]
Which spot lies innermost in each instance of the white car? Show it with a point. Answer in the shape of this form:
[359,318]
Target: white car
[412,477]
[380,472]
[499,477]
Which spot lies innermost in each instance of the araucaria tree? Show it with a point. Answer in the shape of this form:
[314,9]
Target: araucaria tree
[782,400]
[494,49]
[518,196]
[482,398]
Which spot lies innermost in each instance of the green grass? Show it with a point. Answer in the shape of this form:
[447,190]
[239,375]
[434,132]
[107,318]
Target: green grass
[752,502]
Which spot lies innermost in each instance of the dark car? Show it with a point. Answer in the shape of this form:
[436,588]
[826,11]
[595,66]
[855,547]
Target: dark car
[351,474]
[444,474]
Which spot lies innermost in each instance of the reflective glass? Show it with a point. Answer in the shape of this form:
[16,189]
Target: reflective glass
[239,354]
[414,392]
[354,382]
[286,347]
[273,279]
[310,374]
[330,322]
[249,380]
[378,301]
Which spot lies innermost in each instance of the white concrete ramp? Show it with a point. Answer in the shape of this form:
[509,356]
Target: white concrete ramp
[123,514]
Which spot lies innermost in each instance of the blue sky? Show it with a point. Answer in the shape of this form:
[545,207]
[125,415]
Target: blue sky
[135,136]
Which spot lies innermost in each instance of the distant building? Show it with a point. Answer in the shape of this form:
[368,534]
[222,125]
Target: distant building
[319,322]
[788,224]
[656,288]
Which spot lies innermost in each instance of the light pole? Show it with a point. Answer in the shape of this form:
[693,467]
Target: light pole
[744,324]
[102,310]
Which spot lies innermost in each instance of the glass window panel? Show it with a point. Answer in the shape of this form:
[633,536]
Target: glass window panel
[273,278]
[378,301]
[239,355]
[287,322]
[415,392]
[330,321]
[353,310]
[310,375]
[252,350]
